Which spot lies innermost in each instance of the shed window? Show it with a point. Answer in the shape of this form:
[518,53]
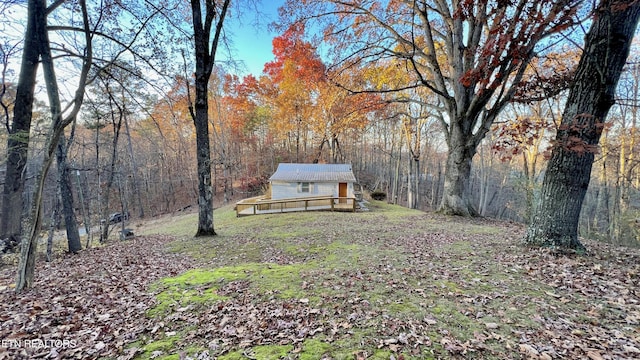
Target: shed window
[303,187]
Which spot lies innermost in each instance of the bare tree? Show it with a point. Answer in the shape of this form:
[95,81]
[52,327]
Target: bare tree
[205,21]
[31,219]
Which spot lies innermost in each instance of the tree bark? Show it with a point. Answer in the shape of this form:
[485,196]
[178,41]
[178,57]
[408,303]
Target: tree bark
[455,197]
[205,54]
[18,140]
[105,201]
[134,170]
[555,220]
[54,223]
[64,182]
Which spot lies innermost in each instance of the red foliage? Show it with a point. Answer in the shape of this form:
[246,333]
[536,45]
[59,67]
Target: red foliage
[513,137]
[290,46]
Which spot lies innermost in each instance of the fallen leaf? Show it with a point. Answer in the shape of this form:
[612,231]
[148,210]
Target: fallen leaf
[529,350]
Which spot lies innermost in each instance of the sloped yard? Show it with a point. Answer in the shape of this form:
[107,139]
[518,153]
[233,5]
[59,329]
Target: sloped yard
[390,283]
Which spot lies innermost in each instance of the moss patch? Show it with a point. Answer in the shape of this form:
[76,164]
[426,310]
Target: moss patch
[200,286]
[263,352]
[314,349]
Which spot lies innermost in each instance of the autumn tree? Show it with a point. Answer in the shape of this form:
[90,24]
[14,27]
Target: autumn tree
[239,100]
[296,72]
[555,219]
[523,137]
[247,103]
[470,54]
[341,115]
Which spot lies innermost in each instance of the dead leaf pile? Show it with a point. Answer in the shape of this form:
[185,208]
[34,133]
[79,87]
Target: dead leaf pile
[87,305]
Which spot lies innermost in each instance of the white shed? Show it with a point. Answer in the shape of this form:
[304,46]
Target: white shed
[309,180]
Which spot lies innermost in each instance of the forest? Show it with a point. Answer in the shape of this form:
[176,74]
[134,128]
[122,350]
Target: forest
[134,130]
[497,143]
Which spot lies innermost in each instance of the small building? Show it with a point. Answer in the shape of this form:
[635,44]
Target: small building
[305,187]
[312,180]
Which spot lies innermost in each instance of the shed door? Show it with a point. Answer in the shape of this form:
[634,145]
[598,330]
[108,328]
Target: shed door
[342,192]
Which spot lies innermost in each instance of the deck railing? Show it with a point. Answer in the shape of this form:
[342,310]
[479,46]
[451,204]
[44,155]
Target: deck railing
[264,205]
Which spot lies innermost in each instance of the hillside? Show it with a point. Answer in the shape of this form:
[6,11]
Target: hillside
[390,283]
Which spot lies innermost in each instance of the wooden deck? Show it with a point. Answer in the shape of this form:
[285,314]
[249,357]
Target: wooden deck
[264,205]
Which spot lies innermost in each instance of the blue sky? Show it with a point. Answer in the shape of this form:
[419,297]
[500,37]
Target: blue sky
[252,38]
[250,35]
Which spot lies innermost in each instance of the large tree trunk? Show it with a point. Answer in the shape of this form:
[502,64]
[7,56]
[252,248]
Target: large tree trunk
[18,140]
[455,197]
[203,147]
[555,220]
[205,193]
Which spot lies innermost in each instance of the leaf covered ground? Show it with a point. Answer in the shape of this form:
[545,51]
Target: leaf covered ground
[390,283]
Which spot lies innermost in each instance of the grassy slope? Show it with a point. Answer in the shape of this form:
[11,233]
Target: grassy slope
[389,282]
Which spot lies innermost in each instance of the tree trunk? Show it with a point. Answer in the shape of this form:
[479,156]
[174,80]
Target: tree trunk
[205,55]
[64,182]
[18,140]
[555,220]
[455,198]
[203,147]
[134,170]
[412,181]
[201,122]
[53,225]
[86,217]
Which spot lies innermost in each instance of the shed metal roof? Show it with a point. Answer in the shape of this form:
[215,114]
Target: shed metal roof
[313,172]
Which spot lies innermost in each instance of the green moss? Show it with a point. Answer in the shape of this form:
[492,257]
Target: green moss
[314,349]
[459,247]
[236,355]
[200,286]
[271,352]
[168,357]
[164,346]
[393,210]
[262,352]
[381,355]
[449,286]
[404,308]
[161,345]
